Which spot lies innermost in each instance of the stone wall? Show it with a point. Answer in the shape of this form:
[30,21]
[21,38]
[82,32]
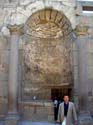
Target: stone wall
[37,111]
[4,64]
[84,31]
[46,62]
[18,13]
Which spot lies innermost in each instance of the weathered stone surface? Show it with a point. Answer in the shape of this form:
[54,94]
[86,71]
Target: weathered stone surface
[4,64]
[19,12]
[11,122]
[3,103]
[53,15]
[43,57]
[4,43]
[82,30]
[45,62]
[37,110]
[47,14]
[50,26]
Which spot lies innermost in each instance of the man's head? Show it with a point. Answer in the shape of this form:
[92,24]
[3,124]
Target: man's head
[66,98]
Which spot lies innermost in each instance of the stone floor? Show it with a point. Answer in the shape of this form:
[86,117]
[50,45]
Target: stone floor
[1,123]
[37,123]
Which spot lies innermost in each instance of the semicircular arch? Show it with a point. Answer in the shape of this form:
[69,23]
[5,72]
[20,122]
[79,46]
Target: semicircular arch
[48,23]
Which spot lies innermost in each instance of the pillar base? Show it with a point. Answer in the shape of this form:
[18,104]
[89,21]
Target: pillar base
[12,118]
[85,118]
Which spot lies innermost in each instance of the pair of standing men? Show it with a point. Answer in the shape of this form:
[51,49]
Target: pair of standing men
[66,112]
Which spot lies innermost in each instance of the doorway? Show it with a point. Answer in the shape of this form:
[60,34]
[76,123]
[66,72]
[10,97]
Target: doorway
[59,93]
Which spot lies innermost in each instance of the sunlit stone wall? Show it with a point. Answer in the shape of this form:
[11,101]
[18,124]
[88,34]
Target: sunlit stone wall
[18,12]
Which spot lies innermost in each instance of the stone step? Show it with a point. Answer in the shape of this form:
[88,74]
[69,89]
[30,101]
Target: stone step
[37,123]
[32,123]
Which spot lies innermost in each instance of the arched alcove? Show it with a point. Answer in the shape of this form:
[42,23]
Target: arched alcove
[47,55]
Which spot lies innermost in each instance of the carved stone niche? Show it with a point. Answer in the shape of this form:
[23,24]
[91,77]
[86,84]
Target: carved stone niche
[47,52]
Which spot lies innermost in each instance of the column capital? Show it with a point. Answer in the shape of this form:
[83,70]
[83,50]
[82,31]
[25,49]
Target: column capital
[15,29]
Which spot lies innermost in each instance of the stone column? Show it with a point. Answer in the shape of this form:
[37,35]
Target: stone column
[12,116]
[84,113]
